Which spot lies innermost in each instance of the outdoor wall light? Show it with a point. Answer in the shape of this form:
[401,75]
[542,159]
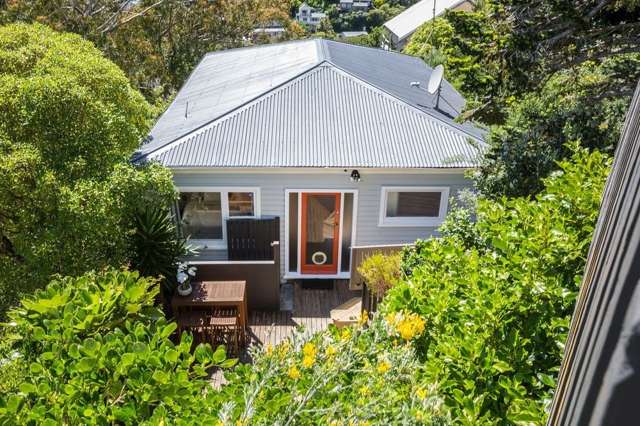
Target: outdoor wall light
[355,176]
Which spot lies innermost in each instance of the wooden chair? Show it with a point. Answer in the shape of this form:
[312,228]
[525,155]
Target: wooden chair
[195,322]
[224,328]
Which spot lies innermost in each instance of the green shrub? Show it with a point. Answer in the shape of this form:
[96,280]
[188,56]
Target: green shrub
[94,350]
[381,272]
[156,246]
[497,316]
[349,376]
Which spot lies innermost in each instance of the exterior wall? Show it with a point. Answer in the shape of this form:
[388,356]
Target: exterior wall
[273,185]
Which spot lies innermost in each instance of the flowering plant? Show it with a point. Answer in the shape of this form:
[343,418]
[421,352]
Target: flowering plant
[184,274]
[359,375]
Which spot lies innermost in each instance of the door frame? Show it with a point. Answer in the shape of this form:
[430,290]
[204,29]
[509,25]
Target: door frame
[298,249]
[334,267]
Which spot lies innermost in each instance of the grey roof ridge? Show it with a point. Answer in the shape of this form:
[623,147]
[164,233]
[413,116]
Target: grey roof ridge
[347,74]
[448,122]
[324,59]
[139,155]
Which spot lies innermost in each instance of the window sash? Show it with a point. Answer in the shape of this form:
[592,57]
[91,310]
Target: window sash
[224,192]
[413,221]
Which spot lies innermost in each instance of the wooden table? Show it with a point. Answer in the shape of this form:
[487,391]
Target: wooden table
[216,293]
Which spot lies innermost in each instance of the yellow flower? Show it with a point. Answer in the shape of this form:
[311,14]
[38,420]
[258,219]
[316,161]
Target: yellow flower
[294,373]
[284,349]
[419,415]
[390,319]
[421,393]
[345,334]
[364,317]
[330,351]
[365,423]
[383,367]
[308,361]
[309,350]
[364,390]
[410,326]
[269,349]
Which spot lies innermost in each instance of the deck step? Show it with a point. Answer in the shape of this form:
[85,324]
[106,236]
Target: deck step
[348,313]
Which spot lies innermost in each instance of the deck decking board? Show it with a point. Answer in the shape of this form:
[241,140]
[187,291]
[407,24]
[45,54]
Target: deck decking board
[311,309]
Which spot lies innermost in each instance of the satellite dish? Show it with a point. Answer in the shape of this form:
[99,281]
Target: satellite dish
[435,80]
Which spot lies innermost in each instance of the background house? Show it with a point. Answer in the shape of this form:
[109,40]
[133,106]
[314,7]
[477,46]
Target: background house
[399,29]
[367,160]
[310,16]
[355,5]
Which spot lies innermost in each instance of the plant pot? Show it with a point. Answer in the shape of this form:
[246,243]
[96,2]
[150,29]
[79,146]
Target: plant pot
[184,291]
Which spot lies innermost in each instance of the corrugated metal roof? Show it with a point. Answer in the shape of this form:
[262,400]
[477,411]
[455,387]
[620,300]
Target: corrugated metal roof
[408,21]
[326,117]
[226,80]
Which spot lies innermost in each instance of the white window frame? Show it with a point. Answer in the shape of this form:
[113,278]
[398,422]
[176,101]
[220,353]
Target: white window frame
[224,204]
[415,221]
[289,275]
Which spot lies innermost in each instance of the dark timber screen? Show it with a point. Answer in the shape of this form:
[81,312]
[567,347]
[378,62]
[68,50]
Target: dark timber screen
[250,239]
[599,381]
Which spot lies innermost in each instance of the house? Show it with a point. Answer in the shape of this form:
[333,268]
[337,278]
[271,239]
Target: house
[398,30]
[329,140]
[310,16]
[271,32]
[351,34]
[351,5]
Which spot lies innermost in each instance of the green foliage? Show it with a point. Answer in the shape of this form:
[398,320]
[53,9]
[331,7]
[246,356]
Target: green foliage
[57,87]
[156,246]
[356,376]
[572,106]
[498,315]
[460,221]
[381,272]
[69,122]
[94,350]
[555,74]
[156,43]
[469,45]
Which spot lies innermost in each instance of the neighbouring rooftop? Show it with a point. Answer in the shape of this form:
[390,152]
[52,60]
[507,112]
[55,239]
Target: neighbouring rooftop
[407,22]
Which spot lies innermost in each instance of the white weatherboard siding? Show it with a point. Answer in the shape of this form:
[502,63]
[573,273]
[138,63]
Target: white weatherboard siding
[368,232]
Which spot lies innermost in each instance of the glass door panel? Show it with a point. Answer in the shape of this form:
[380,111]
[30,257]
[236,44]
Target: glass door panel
[320,233]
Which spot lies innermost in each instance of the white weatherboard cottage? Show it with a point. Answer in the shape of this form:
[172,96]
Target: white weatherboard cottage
[331,138]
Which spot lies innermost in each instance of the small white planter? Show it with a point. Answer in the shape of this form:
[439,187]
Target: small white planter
[184,291]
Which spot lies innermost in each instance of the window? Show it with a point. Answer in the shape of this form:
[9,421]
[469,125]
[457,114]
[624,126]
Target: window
[202,211]
[201,215]
[413,206]
[241,204]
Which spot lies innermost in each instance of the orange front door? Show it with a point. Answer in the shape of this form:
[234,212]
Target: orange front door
[320,224]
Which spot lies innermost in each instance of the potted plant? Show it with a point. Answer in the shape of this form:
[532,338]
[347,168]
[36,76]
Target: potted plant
[183,276]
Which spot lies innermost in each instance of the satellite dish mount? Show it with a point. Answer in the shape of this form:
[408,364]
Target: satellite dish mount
[435,83]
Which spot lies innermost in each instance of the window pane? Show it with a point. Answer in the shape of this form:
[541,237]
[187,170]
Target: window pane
[201,215]
[347,228]
[293,231]
[413,204]
[241,204]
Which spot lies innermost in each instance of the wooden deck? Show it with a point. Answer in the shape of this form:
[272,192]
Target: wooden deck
[311,308]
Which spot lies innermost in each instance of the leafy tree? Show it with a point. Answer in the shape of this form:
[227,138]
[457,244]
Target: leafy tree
[156,43]
[470,46]
[497,300]
[94,350]
[69,122]
[548,35]
[573,105]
